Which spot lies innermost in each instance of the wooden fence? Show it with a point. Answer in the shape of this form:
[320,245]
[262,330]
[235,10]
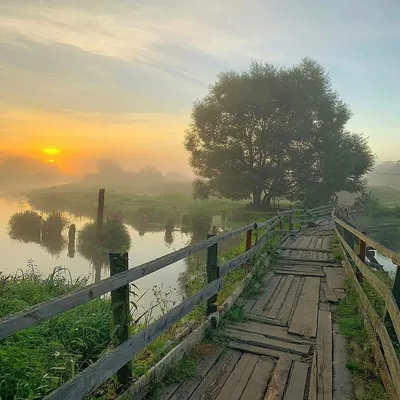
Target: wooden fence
[353,243]
[116,361]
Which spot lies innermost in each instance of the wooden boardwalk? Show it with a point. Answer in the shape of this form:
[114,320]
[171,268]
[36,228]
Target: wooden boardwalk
[289,349]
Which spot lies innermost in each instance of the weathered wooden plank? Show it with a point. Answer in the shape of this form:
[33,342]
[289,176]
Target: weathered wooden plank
[309,249]
[211,385]
[379,358]
[268,306]
[237,381]
[44,311]
[308,260]
[297,383]
[274,332]
[265,320]
[330,295]
[304,321]
[249,305]
[300,273]
[313,389]
[279,299]
[98,372]
[262,341]
[187,388]
[340,293]
[258,381]
[302,268]
[264,298]
[342,384]
[379,286]
[288,304]
[262,351]
[335,278]
[168,391]
[324,355]
[280,375]
[382,249]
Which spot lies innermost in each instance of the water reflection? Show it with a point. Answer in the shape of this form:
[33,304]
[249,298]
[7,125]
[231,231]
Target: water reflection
[115,238]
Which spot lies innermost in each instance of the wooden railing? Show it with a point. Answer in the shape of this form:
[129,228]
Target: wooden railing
[384,347]
[118,284]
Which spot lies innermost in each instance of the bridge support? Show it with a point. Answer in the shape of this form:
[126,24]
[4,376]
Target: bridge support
[212,274]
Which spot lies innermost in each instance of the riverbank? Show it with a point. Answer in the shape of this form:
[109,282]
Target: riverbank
[40,359]
[81,199]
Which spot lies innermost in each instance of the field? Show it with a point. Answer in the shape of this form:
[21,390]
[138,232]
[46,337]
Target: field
[81,199]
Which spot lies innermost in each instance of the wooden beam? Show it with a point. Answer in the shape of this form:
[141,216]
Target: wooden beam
[94,375]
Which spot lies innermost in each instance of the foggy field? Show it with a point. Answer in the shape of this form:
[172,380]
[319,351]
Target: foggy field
[81,199]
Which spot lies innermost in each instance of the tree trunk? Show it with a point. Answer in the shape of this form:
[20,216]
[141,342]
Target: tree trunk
[256,197]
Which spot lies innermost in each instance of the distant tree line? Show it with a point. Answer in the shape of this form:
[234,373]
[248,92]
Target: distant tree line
[275,132]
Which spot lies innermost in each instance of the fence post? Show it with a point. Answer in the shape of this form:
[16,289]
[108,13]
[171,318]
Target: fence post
[248,239]
[120,312]
[212,274]
[362,249]
[100,215]
[396,287]
[71,240]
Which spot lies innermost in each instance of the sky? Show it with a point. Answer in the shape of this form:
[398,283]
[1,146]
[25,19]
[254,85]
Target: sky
[105,78]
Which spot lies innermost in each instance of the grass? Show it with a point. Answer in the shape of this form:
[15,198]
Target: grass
[81,199]
[365,373]
[36,361]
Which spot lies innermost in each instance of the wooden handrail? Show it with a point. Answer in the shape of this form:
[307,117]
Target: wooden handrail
[395,257]
[94,375]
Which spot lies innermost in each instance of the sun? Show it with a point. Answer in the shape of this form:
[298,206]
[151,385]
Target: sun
[51,151]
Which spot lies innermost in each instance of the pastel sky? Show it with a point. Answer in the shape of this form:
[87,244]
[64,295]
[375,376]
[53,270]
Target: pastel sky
[112,78]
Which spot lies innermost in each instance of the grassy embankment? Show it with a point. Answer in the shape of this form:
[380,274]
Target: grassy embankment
[365,373]
[38,360]
[81,199]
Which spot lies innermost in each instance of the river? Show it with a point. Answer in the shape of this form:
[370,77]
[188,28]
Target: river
[16,255]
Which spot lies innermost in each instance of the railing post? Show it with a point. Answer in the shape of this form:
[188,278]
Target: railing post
[362,249]
[280,220]
[212,274]
[120,312]
[248,239]
[396,287]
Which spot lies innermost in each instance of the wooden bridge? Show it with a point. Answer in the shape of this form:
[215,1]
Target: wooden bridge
[287,348]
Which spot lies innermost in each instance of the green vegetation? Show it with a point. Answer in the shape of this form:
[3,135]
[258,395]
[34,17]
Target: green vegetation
[241,143]
[66,344]
[365,373]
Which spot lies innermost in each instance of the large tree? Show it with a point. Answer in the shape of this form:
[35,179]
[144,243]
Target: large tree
[272,132]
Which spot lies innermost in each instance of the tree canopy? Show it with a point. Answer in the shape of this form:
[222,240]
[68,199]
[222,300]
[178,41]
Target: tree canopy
[275,132]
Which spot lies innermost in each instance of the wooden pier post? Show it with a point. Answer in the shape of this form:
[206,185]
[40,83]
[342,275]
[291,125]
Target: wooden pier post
[212,274]
[71,241]
[100,215]
[120,312]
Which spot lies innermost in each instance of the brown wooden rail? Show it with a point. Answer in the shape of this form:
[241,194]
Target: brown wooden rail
[111,363]
[386,358]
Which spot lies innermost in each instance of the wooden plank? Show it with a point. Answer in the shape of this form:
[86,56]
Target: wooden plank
[266,295]
[324,355]
[249,305]
[330,295]
[379,286]
[288,304]
[297,383]
[342,384]
[313,389]
[274,332]
[262,351]
[262,341]
[304,321]
[202,369]
[379,358]
[258,381]
[335,278]
[94,375]
[268,306]
[279,298]
[309,260]
[265,320]
[300,273]
[42,312]
[313,249]
[237,381]
[279,378]
[211,385]
[395,257]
